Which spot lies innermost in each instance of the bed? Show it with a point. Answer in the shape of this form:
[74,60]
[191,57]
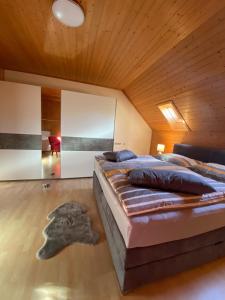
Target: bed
[149,247]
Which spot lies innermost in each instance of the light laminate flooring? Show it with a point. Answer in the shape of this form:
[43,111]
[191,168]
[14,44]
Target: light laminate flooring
[79,272]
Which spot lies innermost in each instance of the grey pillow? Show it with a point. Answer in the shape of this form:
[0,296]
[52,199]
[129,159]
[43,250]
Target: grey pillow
[211,170]
[178,159]
[118,156]
[170,180]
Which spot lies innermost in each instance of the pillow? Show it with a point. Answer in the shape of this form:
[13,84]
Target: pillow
[119,156]
[217,166]
[211,170]
[170,180]
[178,159]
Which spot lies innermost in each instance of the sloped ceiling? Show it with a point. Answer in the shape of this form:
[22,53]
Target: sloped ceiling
[193,75]
[154,50]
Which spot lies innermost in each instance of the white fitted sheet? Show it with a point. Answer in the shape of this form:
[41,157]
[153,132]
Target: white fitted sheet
[157,228]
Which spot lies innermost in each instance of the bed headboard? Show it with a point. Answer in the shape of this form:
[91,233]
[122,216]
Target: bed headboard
[201,153]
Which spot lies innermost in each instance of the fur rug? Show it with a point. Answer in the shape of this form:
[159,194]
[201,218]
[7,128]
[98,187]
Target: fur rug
[68,224]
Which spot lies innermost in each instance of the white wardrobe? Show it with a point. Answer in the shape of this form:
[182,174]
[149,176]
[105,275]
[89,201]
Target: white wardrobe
[87,129]
[20,131]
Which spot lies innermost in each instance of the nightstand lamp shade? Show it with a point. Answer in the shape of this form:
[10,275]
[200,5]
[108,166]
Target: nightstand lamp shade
[160,148]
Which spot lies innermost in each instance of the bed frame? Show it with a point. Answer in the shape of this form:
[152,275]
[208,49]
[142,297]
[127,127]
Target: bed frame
[137,266]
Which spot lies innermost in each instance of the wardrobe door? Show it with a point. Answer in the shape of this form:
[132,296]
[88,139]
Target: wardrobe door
[87,128]
[20,131]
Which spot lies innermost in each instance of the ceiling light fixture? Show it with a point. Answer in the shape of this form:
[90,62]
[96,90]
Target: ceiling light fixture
[68,12]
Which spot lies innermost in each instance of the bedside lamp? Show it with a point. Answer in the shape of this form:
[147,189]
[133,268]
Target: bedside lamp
[160,148]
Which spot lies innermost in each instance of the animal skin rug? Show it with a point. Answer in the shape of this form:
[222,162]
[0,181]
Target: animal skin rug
[68,224]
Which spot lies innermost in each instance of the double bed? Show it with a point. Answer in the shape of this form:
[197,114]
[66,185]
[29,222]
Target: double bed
[150,246]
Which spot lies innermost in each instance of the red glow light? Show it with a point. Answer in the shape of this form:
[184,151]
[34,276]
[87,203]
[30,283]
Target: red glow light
[59,138]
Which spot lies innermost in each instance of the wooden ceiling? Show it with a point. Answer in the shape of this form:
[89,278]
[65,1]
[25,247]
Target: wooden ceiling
[51,94]
[154,50]
[193,75]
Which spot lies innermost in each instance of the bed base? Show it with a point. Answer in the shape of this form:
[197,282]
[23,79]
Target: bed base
[137,266]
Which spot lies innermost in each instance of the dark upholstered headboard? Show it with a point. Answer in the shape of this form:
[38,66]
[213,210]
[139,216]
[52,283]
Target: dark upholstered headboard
[201,153]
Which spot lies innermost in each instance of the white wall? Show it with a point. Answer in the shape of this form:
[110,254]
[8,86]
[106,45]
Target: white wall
[20,113]
[131,131]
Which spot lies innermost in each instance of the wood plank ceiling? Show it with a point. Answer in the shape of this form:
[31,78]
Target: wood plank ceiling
[154,50]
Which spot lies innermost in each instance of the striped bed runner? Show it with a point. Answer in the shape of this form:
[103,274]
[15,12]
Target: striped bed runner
[138,200]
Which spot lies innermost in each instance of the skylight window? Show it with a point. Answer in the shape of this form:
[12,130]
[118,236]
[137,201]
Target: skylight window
[173,116]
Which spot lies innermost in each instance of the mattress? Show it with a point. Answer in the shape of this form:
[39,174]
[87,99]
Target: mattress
[157,228]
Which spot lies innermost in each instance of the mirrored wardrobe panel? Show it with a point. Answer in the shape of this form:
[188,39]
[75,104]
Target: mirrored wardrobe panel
[51,132]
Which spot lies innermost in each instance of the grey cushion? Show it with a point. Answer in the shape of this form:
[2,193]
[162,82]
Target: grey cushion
[170,180]
[118,156]
[178,159]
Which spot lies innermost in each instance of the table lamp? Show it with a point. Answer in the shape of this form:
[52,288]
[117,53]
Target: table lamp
[160,148]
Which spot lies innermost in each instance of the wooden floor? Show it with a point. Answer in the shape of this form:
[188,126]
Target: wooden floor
[80,271]
[51,165]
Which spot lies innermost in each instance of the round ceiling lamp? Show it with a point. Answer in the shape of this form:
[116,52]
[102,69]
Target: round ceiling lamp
[68,12]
